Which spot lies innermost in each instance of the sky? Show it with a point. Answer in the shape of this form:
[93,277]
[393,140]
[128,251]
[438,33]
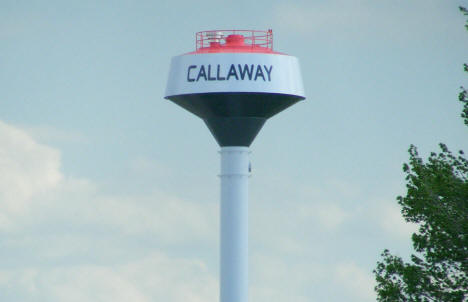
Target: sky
[108,192]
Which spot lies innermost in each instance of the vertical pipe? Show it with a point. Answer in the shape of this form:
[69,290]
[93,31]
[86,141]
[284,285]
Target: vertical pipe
[234,224]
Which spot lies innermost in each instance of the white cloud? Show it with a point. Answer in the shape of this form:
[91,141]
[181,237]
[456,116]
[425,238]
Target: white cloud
[52,235]
[272,293]
[278,278]
[144,165]
[33,190]
[27,168]
[329,215]
[48,134]
[156,277]
[88,284]
[174,279]
[388,216]
[355,280]
[346,189]
[294,205]
[171,219]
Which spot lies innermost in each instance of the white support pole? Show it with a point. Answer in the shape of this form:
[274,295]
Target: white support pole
[234,224]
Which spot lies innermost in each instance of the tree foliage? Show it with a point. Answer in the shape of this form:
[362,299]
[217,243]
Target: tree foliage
[437,200]
[463,96]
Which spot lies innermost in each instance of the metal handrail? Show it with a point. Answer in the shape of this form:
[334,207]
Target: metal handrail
[253,38]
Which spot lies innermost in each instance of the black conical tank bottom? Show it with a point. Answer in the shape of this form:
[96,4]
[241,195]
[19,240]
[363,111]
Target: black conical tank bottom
[235,118]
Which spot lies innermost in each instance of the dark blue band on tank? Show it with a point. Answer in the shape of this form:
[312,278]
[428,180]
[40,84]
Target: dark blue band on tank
[235,118]
[235,131]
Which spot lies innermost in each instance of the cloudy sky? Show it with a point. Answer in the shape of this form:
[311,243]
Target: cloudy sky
[108,192]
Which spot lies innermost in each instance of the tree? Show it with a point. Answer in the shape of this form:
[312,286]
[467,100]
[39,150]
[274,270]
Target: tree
[437,200]
[463,96]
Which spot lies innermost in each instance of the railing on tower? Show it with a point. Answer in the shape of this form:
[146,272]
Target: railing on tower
[251,38]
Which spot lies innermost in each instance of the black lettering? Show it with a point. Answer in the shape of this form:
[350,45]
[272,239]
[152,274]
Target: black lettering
[189,79]
[210,78]
[218,77]
[268,72]
[201,73]
[232,72]
[259,73]
[246,70]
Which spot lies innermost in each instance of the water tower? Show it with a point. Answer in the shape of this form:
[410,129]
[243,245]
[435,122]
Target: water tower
[234,82]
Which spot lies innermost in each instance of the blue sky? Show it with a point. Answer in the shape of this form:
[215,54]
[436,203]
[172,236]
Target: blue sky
[108,192]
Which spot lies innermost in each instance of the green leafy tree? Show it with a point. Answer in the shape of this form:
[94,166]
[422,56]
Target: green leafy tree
[437,200]
[463,96]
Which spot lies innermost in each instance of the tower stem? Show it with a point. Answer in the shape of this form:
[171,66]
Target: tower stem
[234,224]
